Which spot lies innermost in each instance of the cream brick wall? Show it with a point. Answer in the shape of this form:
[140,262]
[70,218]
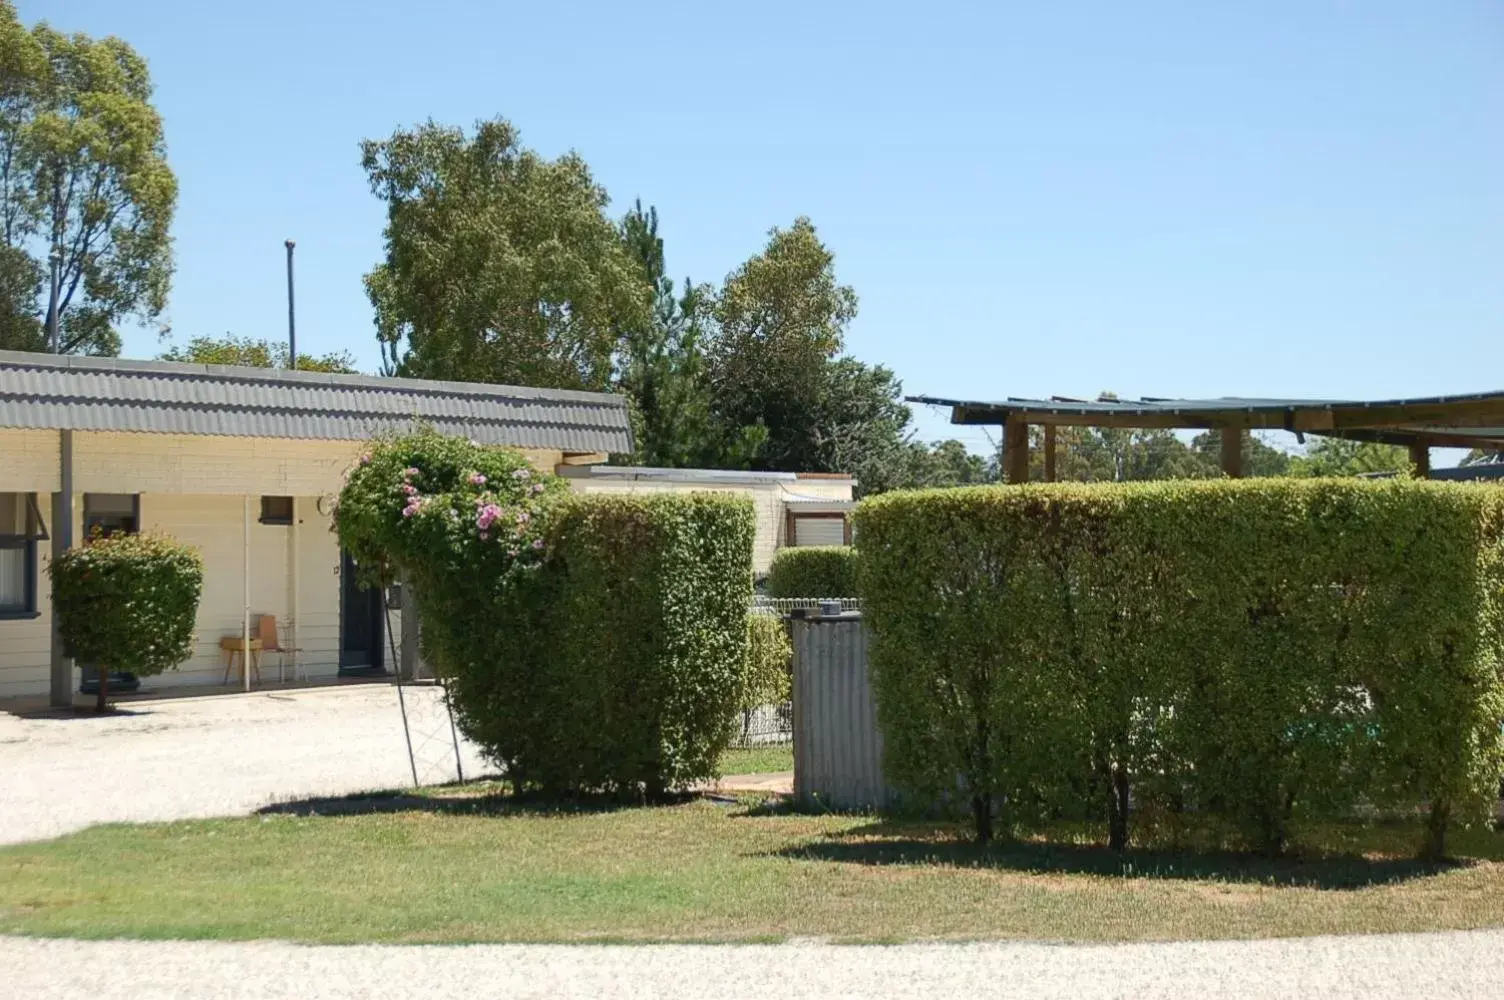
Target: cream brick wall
[213,525]
[28,461]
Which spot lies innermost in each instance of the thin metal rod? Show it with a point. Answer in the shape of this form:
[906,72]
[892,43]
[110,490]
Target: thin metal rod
[407,734]
[292,331]
[459,768]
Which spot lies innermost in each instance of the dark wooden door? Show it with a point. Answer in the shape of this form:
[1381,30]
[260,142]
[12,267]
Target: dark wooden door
[360,622]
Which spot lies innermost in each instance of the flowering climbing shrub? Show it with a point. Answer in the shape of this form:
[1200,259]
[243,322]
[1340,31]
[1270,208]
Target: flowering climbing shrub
[590,643]
[438,507]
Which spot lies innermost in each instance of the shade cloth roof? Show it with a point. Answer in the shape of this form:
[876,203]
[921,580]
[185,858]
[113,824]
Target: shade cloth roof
[1468,421]
[79,393]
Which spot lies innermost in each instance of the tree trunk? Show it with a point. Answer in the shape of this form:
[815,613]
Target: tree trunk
[101,700]
[1435,847]
[981,810]
[1117,817]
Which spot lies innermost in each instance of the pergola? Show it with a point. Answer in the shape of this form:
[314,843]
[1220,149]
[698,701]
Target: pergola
[1469,421]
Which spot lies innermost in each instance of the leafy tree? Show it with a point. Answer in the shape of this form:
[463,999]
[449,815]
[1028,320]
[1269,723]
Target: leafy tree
[84,181]
[1115,454]
[780,325]
[663,368]
[947,463]
[1341,457]
[251,353]
[854,422]
[20,287]
[501,265]
[1260,458]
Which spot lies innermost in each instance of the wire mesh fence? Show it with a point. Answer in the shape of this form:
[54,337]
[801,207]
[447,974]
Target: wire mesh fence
[432,742]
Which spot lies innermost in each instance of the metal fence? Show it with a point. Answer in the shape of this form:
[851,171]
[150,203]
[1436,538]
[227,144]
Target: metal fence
[773,725]
[838,748]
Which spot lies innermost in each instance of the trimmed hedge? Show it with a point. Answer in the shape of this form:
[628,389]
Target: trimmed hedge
[768,677]
[813,571]
[648,612]
[1265,653]
[591,643]
[128,603]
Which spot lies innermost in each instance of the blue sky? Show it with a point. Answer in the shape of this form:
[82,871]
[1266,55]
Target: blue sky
[1276,198]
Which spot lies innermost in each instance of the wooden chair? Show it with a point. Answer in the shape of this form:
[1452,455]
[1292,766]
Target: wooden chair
[266,632]
[233,645]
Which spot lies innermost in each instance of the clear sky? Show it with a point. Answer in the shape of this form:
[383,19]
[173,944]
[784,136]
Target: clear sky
[1299,198]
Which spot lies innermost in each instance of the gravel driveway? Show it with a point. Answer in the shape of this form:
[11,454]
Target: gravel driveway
[1468,964]
[228,755]
[214,756]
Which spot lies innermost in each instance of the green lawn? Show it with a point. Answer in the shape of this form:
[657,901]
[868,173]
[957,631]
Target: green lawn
[452,867]
[762,760]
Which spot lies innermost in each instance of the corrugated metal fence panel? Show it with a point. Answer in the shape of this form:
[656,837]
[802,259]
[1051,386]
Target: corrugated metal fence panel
[838,749]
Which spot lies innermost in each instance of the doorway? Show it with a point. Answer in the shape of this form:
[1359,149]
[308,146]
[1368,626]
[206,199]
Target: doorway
[361,620]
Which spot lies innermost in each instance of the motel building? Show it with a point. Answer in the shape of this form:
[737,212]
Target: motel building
[244,465]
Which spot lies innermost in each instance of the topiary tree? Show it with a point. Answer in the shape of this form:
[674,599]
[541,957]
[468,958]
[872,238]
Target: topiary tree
[128,603]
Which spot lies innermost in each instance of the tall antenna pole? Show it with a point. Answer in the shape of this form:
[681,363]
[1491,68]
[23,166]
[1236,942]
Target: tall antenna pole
[292,332]
[54,338]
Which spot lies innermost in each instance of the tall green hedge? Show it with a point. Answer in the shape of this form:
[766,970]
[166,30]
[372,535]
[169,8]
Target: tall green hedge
[590,643]
[128,603]
[813,571]
[648,614]
[1266,653]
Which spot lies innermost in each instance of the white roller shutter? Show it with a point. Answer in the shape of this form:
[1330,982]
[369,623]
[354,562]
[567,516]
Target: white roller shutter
[819,531]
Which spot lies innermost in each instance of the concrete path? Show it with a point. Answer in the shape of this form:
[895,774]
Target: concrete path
[1463,965]
[215,756]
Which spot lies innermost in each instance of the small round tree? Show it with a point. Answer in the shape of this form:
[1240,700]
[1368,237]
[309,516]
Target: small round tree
[127,602]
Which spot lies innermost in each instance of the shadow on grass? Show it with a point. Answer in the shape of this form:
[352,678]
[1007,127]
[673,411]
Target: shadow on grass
[899,844]
[443,800]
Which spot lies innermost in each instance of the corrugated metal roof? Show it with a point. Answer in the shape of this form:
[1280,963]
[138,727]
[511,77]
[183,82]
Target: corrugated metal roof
[1156,406]
[1466,420]
[48,391]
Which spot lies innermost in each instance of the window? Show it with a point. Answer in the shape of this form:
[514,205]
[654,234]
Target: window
[111,514]
[276,510]
[21,527]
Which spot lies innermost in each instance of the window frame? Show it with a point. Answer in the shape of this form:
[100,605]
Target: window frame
[292,510]
[26,543]
[92,513]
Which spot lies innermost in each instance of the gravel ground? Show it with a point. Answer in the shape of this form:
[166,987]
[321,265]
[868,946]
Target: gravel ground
[214,756]
[1464,964]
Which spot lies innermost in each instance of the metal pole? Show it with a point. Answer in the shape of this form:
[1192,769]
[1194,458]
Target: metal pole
[292,333]
[297,647]
[53,337]
[61,672]
[245,611]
